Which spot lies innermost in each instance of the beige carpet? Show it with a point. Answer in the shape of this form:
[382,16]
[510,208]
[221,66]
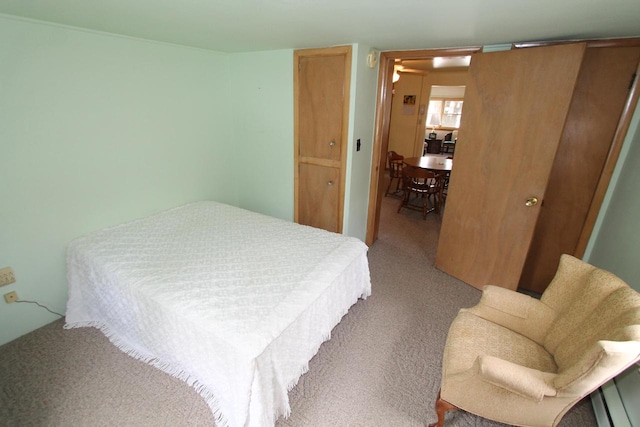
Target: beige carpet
[380,368]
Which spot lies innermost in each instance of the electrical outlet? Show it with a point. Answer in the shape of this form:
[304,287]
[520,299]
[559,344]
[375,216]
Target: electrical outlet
[6,276]
[11,297]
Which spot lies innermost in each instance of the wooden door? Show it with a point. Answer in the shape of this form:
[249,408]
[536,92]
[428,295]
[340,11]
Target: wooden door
[319,185]
[321,100]
[599,99]
[516,103]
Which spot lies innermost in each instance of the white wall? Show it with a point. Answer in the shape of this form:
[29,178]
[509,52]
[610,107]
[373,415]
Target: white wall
[96,130]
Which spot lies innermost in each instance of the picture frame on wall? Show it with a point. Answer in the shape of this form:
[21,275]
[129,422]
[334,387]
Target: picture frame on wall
[409,99]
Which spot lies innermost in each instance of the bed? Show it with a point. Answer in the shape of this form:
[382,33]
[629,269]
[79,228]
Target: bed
[232,302]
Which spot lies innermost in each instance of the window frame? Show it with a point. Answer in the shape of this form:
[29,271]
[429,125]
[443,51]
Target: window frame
[442,114]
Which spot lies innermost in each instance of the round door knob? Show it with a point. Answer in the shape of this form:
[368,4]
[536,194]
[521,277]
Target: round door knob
[330,183]
[332,143]
[531,201]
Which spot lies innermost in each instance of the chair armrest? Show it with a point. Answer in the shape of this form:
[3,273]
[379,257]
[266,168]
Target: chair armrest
[603,361]
[526,382]
[515,311]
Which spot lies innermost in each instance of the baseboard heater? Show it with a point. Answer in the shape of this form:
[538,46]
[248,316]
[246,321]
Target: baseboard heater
[617,403]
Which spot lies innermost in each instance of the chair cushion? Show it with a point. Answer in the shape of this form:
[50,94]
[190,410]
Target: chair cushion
[471,336]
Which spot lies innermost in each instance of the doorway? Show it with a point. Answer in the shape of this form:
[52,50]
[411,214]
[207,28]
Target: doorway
[619,130]
[383,120]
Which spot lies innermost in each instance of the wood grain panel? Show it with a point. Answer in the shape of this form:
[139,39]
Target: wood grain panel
[599,98]
[321,86]
[516,104]
[321,113]
[320,185]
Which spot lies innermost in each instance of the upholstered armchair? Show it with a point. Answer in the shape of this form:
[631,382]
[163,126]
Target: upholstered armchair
[523,361]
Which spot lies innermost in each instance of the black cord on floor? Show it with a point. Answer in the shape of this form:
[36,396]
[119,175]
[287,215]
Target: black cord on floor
[40,305]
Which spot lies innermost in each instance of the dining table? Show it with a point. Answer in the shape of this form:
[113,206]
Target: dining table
[433,163]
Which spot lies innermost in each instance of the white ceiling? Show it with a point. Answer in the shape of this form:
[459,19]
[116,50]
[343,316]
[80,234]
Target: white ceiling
[252,25]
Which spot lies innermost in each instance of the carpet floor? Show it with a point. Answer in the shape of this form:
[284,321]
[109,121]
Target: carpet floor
[380,368]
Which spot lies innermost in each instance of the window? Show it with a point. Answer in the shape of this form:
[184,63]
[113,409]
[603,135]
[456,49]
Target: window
[444,113]
[434,114]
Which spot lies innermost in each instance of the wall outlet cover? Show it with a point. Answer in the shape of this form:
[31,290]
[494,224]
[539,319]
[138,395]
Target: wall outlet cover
[11,297]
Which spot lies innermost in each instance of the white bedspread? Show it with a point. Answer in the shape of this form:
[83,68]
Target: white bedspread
[232,302]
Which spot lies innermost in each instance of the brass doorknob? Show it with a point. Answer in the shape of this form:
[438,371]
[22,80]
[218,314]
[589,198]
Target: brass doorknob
[531,201]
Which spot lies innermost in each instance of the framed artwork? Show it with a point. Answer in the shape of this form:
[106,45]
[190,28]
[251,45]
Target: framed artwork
[409,99]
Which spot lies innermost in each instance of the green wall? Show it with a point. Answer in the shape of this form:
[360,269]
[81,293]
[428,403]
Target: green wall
[95,130]
[262,100]
[615,244]
[364,84]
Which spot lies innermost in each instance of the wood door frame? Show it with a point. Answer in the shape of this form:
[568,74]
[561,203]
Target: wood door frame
[611,161]
[383,120]
[327,51]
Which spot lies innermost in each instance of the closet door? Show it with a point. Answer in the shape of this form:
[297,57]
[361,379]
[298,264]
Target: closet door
[601,93]
[321,108]
[516,104]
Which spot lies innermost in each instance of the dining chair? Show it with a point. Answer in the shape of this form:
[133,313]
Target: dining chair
[424,184]
[448,143]
[444,186]
[396,166]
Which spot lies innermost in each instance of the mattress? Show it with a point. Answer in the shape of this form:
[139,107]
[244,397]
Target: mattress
[232,302]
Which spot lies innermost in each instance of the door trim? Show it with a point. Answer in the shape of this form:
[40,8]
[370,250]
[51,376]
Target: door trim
[610,164]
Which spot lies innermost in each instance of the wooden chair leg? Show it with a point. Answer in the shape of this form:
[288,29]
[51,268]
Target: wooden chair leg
[388,187]
[404,200]
[442,406]
[425,206]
